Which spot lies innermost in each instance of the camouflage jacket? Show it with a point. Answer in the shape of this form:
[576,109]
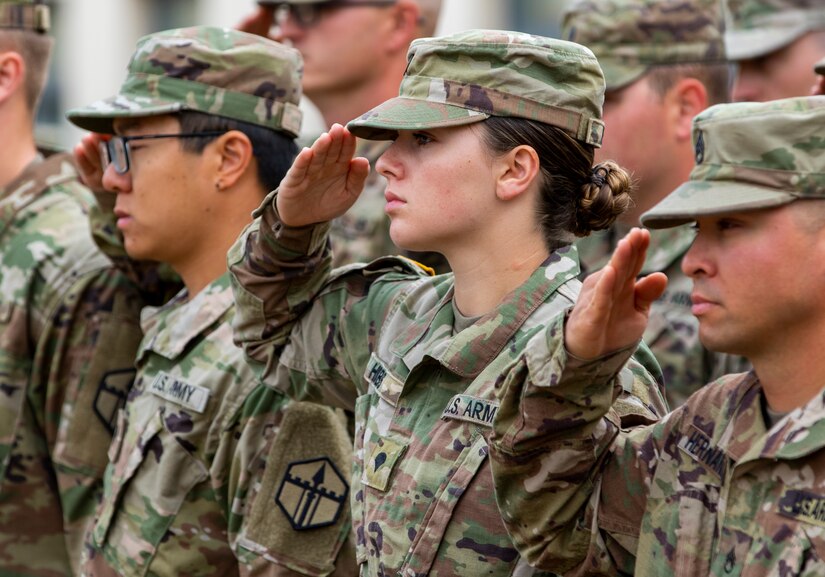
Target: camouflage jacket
[198,442]
[363,233]
[380,339]
[68,335]
[672,332]
[707,491]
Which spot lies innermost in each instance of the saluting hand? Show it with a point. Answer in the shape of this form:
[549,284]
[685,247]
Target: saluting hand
[324,180]
[89,164]
[612,310]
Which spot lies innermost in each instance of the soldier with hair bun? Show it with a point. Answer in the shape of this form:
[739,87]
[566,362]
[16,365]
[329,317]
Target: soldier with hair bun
[491,165]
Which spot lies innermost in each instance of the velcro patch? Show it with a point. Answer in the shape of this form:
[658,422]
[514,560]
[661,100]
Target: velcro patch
[803,506]
[312,494]
[472,409]
[381,462]
[698,445]
[379,376]
[111,396]
[192,397]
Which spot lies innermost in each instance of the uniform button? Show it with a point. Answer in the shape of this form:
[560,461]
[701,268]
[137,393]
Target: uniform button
[730,562]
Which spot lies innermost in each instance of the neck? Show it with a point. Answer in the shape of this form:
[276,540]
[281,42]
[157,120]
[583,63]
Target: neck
[16,158]
[484,277]
[789,376]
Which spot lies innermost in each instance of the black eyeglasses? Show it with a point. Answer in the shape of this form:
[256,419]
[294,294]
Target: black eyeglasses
[307,15]
[115,151]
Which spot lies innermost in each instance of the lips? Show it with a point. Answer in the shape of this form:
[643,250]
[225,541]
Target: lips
[123,217]
[393,201]
[700,305]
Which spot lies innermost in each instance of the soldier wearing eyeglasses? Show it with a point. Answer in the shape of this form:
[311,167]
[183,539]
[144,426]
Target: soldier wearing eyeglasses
[355,53]
[210,472]
[68,325]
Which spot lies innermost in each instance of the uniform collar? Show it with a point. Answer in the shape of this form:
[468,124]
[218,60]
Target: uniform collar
[467,353]
[169,329]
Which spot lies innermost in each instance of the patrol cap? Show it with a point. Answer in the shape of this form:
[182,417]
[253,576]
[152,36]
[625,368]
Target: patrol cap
[750,155]
[759,27]
[630,36]
[217,71]
[470,76]
[32,15]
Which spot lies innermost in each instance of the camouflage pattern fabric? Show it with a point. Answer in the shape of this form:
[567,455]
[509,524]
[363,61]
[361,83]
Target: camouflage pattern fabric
[32,15]
[194,442]
[710,490]
[363,233]
[216,71]
[672,331]
[759,27]
[630,36]
[500,73]
[68,335]
[749,156]
[379,339]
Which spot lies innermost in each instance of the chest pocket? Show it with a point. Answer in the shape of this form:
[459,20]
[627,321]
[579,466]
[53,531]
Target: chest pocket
[144,490]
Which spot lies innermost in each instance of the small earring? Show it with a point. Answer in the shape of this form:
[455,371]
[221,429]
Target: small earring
[218,185]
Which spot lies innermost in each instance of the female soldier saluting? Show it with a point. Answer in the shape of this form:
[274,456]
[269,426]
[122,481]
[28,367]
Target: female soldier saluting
[492,167]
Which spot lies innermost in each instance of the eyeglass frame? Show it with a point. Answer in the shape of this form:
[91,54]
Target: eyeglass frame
[307,15]
[107,151]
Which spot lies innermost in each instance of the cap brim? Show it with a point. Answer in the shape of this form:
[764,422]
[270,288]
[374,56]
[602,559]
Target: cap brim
[696,199]
[617,75]
[99,116]
[748,44]
[385,120]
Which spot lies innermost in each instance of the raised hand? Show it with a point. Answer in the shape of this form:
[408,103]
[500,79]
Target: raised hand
[89,164]
[324,180]
[613,307]
[259,22]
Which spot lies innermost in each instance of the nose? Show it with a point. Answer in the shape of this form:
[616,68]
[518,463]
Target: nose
[117,183]
[698,261]
[746,85]
[388,164]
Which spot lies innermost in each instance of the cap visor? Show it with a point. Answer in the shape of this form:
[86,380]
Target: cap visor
[695,199]
[385,120]
[99,116]
[618,76]
[748,44]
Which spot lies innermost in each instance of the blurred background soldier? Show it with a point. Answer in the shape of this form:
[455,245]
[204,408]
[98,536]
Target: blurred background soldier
[664,62]
[68,326]
[355,53]
[201,129]
[775,43]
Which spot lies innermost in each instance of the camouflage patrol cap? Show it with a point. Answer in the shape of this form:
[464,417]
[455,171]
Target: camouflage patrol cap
[630,36]
[217,71]
[759,27]
[470,76]
[30,15]
[749,156]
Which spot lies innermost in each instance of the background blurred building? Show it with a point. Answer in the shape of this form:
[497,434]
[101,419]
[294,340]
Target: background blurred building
[94,39]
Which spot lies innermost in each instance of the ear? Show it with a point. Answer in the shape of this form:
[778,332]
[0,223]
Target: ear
[405,15]
[12,72]
[233,155]
[515,171]
[687,98]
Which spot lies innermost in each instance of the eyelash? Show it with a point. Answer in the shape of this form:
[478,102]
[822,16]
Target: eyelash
[422,139]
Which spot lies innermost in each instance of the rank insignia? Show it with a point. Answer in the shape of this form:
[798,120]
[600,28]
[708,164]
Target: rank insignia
[111,396]
[312,494]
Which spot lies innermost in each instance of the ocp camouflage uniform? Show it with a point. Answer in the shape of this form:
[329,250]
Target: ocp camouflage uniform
[715,488]
[630,38]
[758,27]
[203,472]
[363,233]
[68,335]
[383,340]
[672,331]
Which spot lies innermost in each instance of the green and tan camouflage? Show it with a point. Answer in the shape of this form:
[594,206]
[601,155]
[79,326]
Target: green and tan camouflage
[27,15]
[68,336]
[216,71]
[749,156]
[758,27]
[630,36]
[711,490]
[199,461]
[469,76]
[672,331]
[384,340]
